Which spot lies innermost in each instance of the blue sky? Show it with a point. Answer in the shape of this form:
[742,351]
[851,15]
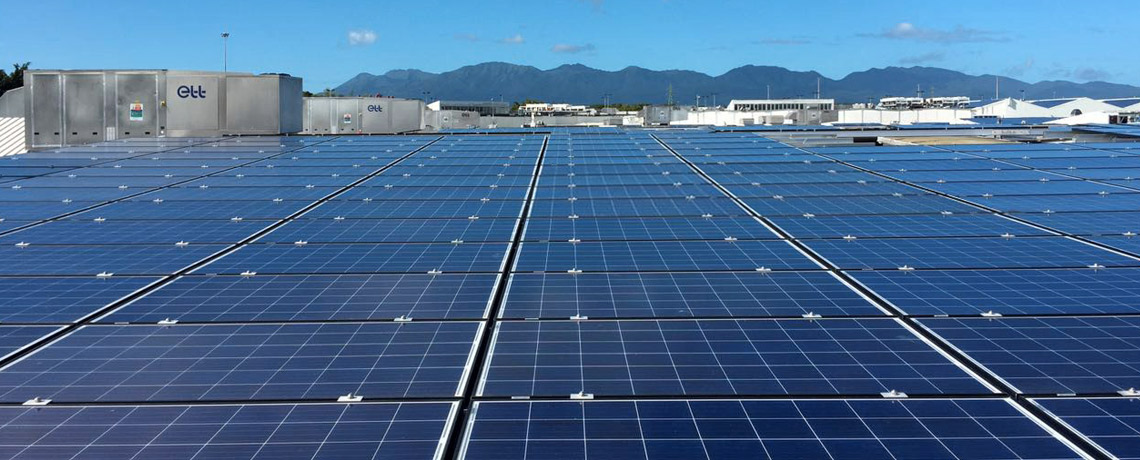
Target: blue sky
[327,43]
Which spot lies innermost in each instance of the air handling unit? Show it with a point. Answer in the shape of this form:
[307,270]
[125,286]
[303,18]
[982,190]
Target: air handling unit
[72,107]
[362,115]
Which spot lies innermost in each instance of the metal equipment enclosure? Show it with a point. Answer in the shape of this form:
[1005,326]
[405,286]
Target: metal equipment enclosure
[71,107]
[12,103]
[362,115]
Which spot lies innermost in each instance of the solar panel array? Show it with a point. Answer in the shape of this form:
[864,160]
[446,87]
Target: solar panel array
[569,293]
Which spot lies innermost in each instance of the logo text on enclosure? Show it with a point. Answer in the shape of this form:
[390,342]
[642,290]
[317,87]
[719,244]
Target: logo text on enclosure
[375,108]
[192,92]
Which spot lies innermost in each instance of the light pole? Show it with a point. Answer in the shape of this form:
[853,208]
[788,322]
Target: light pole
[225,52]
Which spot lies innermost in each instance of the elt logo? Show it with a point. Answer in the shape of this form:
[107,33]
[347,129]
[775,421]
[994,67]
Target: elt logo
[375,108]
[193,92]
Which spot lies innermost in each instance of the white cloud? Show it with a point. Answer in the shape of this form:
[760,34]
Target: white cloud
[517,39]
[467,37]
[361,37]
[573,49]
[959,34]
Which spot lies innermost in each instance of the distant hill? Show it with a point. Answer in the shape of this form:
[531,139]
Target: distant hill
[576,83]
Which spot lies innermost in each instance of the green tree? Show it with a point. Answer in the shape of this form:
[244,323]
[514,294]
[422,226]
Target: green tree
[13,80]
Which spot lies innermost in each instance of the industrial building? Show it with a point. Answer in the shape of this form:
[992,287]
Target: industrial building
[483,108]
[555,109]
[745,113]
[780,105]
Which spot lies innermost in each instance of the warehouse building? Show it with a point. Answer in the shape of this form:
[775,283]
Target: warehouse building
[483,108]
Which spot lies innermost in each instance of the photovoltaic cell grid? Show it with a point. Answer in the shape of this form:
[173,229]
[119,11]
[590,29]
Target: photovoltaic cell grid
[1112,423]
[384,291]
[260,339]
[325,431]
[942,429]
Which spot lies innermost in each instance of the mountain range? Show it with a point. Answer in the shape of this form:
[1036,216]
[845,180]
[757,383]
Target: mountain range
[576,83]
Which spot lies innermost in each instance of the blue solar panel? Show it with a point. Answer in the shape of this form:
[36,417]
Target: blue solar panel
[887,204]
[106,231]
[1125,243]
[646,207]
[1122,161]
[186,210]
[714,228]
[394,231]
[1008,292]
[14,338]
[717,357]
[361,258]
[1088,223]
[454,209]
[1112,423]
[723,429]
[1065,203]
[660,255]
[32,211]
[318,431]
[25,193]
[246,362]
[1088,355]
[312,298]
[1020,252]
[745,189]
[653,295]
[985,189]
[295,192]
[1008,173]
[626,191]
[440,192]
[61,300]
[91,260]
[919,225]
[636,278]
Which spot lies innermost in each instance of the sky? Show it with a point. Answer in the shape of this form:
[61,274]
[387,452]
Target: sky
[326,43]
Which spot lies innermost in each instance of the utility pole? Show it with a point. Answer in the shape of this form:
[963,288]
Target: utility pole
[768,89]
[669,96]
[714,100]
[997,88]
[225,52]
[818,87]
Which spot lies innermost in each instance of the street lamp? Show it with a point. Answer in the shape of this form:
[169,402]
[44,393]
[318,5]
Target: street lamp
[225,52]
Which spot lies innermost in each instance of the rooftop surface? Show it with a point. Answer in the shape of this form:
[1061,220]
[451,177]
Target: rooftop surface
[575,293]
